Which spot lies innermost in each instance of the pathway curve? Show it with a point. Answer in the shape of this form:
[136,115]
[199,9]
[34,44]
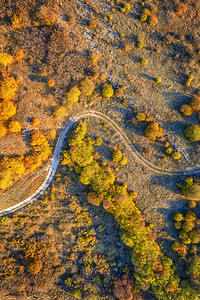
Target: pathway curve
[129,145]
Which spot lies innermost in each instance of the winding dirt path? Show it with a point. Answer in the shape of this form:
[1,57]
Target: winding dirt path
[130,147]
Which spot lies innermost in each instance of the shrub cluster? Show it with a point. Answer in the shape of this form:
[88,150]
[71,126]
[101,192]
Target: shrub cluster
[187,232]
[11,169]
[192,107]
[119,158]
[190,189]
[152,268]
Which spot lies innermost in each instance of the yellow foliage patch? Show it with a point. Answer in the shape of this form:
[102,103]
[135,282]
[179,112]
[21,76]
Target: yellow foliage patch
[5,58]
[8,88]
[15,126]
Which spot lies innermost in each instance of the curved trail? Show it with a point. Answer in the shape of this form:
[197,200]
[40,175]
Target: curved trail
[112,124]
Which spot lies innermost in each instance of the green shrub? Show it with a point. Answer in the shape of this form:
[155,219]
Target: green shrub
[194,236]
[186,110]
[73,94]
[192,132]
[178,225]
[87,86]
[190,216]
[126,7]
[176,155]
[168,150]
[3,219]
[117,156]
[192,204]
[140,44]
[183,235]
[144,15]
[153,131]
[123,161]
[178,217]
[188,226]
[190,189]
[98,141]
[175,245]
[141,117]
[193,270]
[107,91]
[179,247]
[144,61]
[189,80]
[158,80]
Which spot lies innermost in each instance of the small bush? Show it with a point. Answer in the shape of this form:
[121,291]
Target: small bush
[98,141]
[51,83]
[123,161]
[35,122]
[153,131]
[153,20]
[5,58]
[107,91]
[87,86]
[183,235]
[126,7]
[144,61]
[7,110]
[176,155]
[3,130]
[95,57]
[192,204]
[178,217]
[178,225]
[117,156]
[190,189]
[195,104]
[107,204]
[192,132]
[188,225]
[175,245]
[144,15]
[8,88]
[94,198]
[73,94]
[140,44]
[189,80]
[3,219]
[168,150]
[190,216]
[193,235]
[60,113]
[158,80]
[141,117]
[15,126]
[186,110]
